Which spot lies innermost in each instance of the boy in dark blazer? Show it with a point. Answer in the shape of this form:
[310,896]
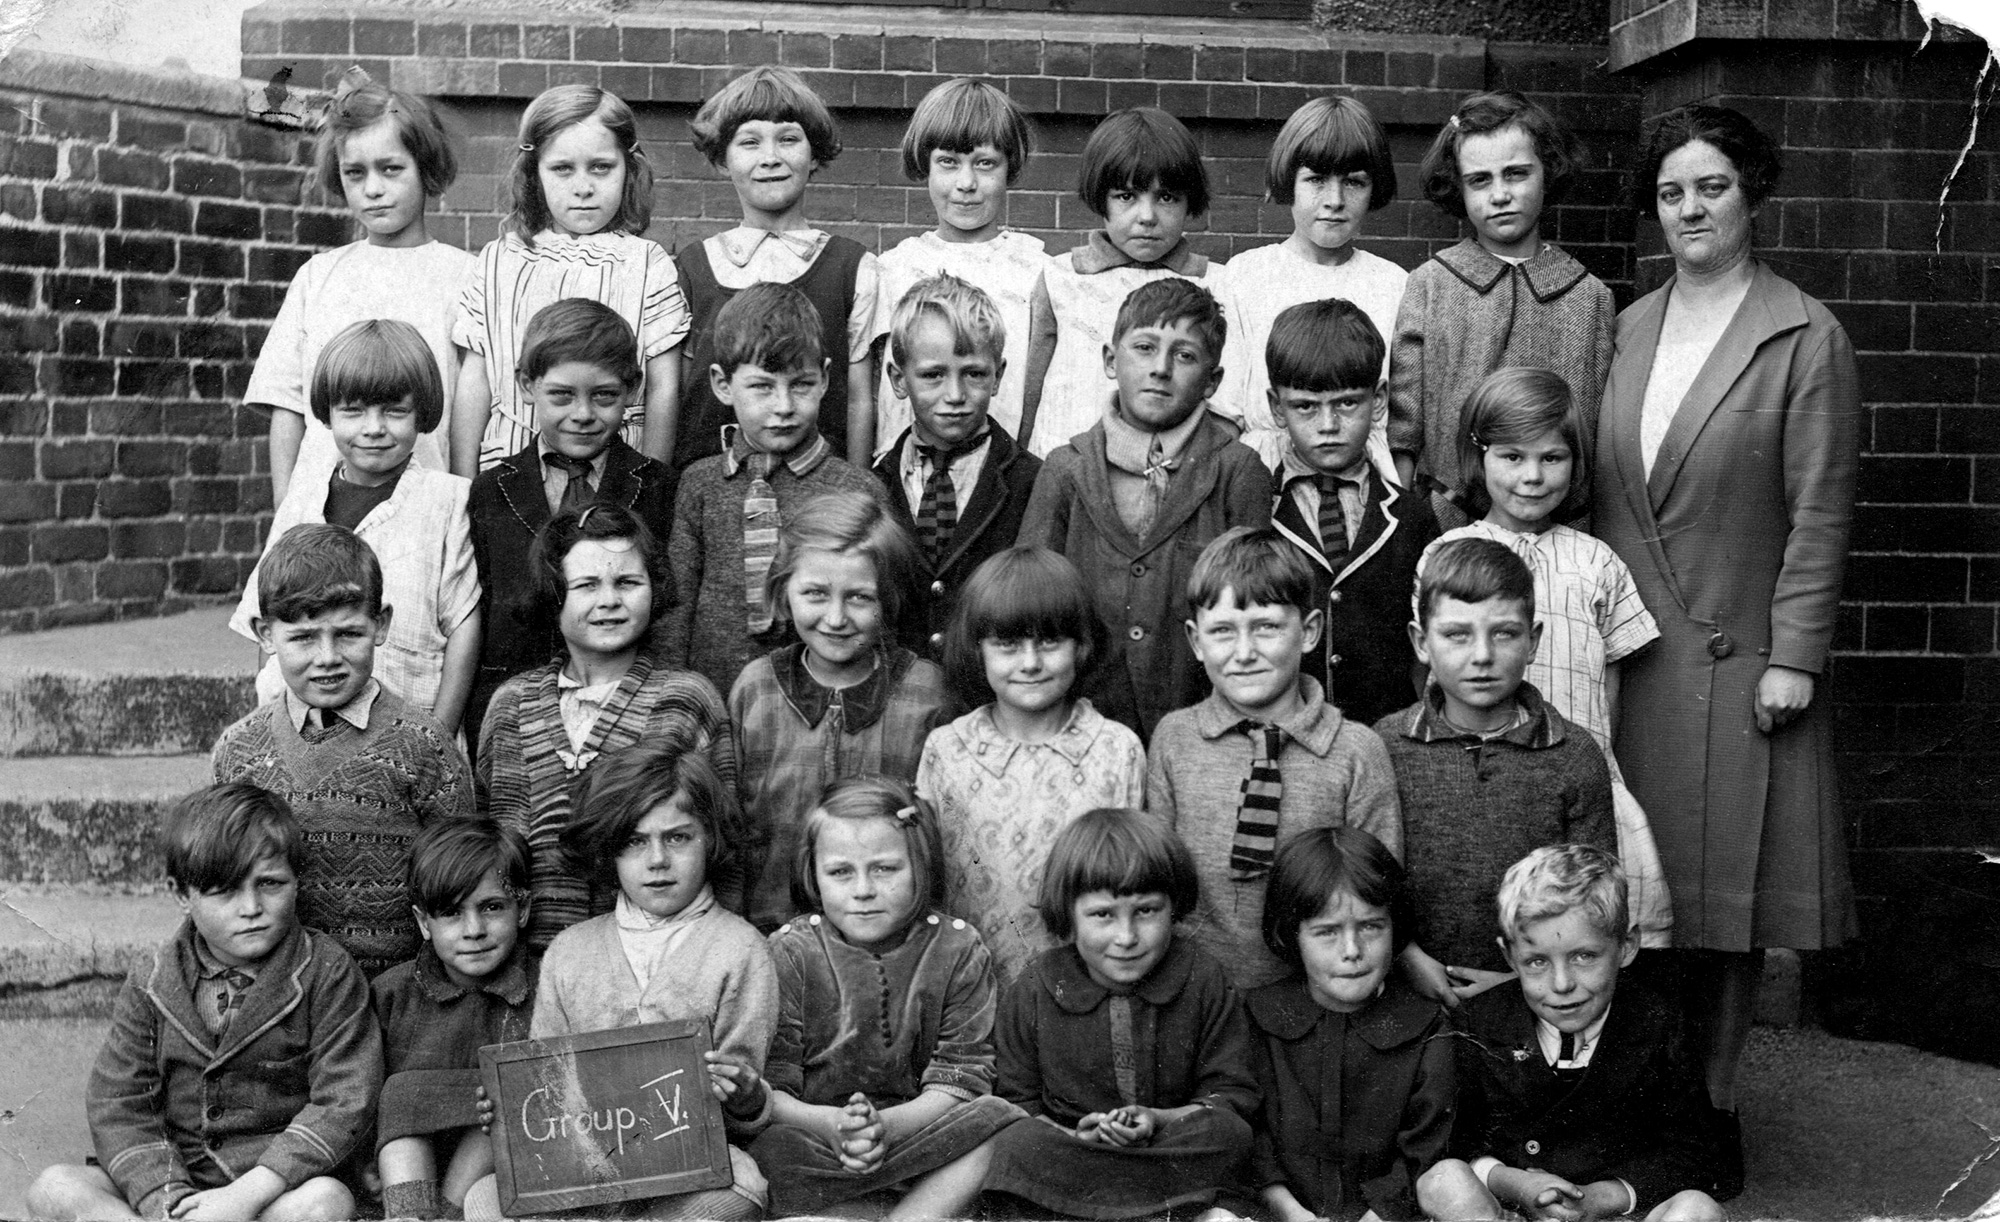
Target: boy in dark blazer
[955,479]
[579,367]
[1571,1107]
[1340,505]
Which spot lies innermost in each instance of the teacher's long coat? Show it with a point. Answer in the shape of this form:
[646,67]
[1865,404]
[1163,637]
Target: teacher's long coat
[1737,541]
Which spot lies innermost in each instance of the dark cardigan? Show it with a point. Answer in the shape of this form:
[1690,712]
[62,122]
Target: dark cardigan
[987,524]
[508,506]
[1638,1113]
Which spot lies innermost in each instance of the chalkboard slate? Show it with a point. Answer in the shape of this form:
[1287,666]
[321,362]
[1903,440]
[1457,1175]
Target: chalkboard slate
[604,1116]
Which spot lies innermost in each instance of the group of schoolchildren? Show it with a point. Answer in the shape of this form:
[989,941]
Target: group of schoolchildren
[1160,924]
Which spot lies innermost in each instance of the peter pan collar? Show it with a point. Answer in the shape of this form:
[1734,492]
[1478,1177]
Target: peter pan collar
[1099,255]
[740,245]
[993,750]
[863,704]
[1314,726]
[1070,984]
[1287,1011]
[1550,274]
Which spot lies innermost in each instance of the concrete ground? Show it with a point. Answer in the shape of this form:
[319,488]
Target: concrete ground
[1835,1129]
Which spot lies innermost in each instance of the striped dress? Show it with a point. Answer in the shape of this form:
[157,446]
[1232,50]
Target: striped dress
[633,275]
[526,768]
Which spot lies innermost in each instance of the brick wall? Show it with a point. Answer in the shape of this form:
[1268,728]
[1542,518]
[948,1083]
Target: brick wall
[145,234]
[1870,133]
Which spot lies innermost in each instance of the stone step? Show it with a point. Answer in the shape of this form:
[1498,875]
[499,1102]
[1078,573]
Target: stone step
[89,819]
[58,943]
[135,687]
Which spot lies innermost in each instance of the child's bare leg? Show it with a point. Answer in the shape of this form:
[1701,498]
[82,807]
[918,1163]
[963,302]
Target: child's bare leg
[320,1199]
[947,1192]
[1451,1192]
[470,1163]
[1689,1206]
[67,1192]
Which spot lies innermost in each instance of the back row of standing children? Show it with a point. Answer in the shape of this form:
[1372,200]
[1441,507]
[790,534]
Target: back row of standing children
[757,562]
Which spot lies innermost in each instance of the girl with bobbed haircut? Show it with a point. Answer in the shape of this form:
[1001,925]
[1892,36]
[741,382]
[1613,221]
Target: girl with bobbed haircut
[1119,850]
[959,116]
[553,112]
[379,360]
[598,522]
[873,797]
[1730,132]
[1333,135]
[361,103]
[1489,112]
[1513,405]
[770,93]
[1023,593]
[608,801]
[1140,148]
[841,522]
[1329,861]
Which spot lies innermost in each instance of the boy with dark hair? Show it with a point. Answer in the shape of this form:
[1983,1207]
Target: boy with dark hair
[1486,770]
[471,984]
[1340,507]
[1132,500]
[579,369]
[363,771]
[243,1062]
[1265,757]
[770,370]
[1571,1107]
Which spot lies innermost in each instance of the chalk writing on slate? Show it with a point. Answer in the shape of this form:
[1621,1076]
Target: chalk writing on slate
[604,1116]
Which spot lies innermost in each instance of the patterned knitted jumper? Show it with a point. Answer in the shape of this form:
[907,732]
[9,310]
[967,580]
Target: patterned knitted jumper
[526,770]
[361,797]
[706,630]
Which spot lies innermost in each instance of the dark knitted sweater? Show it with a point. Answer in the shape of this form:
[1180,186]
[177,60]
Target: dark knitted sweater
[1472,807]
[361,797]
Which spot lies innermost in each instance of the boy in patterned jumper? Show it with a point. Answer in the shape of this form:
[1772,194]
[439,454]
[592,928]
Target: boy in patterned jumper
[363,771]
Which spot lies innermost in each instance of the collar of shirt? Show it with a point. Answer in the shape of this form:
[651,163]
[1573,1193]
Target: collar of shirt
[1550,1040]
[1395,1016]
[1292,467]
[914,460]
[1314,726]
[1099,255]
[1129,448]
[597,464]
[510,983]
[354,712]
[862,704]
[741,244]
[1532,726]
[992,750]
[802,461]
[208,967]
[1549,274]
[1070,984]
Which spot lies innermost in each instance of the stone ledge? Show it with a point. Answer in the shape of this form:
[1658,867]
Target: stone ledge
[1646,29]
[76,77]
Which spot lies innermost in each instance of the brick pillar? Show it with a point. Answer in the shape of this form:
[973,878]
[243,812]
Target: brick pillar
[1870,128]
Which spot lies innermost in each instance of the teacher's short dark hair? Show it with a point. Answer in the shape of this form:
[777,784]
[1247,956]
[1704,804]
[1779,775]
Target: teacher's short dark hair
[1731,132]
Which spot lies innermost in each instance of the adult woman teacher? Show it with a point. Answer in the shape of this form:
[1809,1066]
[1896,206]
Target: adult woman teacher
[1727,446]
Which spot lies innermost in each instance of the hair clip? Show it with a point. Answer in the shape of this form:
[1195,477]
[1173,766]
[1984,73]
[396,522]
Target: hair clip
[1455,125]
[1474,435]
[906,814]
[584,516]
[529,148]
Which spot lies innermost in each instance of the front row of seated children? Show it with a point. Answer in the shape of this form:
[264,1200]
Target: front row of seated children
[862,1047]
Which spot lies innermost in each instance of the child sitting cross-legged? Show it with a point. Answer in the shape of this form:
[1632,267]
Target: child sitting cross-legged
[1580,1096]
[472,984]
[881,1070]
[1486,769]
[768,367]
[1132,500]
[364,771]
[655,820]
[1340,504]
[189,1112]
[1127,1047]
[1356,1068]
[1265,757]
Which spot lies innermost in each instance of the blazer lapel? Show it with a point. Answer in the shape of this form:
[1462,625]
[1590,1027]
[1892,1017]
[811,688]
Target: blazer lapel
[1192,483]
[1291,523]
[1377,525]
[521,484]
[1095,475]
[1765,312]
[622,480]
[276,994]
[1632,367]
[989,497]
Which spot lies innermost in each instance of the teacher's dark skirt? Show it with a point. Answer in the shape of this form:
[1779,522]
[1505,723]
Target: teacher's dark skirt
[806,1175]
[1184,1165]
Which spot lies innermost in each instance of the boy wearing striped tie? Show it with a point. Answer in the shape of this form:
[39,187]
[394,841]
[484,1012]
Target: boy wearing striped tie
[1265,756]
[771,371]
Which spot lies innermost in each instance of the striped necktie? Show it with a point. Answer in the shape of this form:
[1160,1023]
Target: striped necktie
[760,541]
[1256,840]
[937,512]
[1332,522]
